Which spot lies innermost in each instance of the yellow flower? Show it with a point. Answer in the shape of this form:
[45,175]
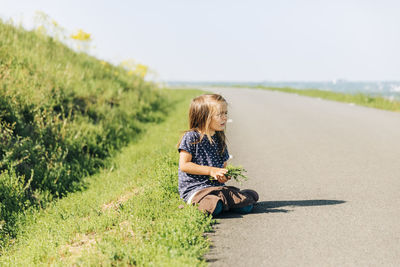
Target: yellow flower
[134,68]
[141,70]
[81,36]
[128,64]
[41,30]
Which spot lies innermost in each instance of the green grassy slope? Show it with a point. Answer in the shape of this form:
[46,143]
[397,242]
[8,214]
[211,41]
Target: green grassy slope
[129,215]
[62,114]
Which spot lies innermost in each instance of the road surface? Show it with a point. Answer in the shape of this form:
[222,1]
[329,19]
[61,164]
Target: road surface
[328,175]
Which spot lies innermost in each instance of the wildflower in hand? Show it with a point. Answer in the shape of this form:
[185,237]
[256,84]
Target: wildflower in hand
[235,172]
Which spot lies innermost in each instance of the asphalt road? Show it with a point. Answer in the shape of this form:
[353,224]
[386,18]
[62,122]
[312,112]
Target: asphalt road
[328,175]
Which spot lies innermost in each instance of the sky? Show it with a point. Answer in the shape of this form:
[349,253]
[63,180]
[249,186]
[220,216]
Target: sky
[232,40]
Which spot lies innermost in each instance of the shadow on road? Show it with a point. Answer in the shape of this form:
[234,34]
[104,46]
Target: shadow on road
[273,206]
[270,207]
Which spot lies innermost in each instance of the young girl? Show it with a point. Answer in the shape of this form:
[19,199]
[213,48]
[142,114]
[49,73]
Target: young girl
[203,156]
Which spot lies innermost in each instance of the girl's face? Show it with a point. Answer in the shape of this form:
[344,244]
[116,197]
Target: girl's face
[218,121]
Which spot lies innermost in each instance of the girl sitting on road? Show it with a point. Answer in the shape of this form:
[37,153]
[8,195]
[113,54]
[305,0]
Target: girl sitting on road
[203,156]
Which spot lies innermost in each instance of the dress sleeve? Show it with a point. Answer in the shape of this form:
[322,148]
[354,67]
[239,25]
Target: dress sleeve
[187,143]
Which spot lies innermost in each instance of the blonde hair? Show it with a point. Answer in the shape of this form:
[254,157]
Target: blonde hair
[201,111]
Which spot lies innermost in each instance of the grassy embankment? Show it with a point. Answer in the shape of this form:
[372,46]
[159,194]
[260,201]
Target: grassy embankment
[62,115]
[357,99]
[129,214]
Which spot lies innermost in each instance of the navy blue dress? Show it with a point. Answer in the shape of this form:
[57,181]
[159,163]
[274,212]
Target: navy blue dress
[203,153]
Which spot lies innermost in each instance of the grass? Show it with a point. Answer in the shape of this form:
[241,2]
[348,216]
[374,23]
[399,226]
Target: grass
[62,114]
[358,99]
[129,215]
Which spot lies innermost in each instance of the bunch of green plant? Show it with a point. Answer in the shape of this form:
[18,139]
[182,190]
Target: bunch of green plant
[236,173]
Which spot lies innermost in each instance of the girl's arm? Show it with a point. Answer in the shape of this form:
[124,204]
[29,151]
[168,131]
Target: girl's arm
[187,166]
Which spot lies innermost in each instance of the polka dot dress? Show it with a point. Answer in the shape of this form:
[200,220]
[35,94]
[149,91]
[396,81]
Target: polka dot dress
[203,153]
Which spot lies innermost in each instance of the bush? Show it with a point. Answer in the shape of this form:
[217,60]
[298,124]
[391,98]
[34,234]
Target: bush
[12,201]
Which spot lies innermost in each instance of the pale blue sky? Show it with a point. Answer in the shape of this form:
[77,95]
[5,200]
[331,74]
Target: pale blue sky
[230,40]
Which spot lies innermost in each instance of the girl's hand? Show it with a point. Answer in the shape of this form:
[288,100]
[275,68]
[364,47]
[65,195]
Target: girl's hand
[219,174]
